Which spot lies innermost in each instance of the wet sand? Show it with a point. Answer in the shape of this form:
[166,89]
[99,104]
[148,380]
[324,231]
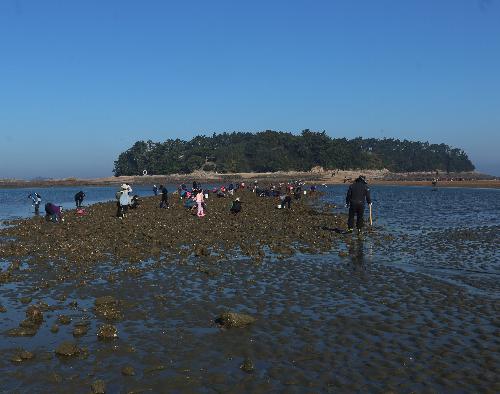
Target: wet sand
[327,318]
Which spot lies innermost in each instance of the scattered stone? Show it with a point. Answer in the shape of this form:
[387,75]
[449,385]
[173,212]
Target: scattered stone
[67,349]
[25,300]
[34,314]
[200,250]
[54,329]
[159,367]
[247,366]
[63,319]
[78,331]
[4,277]
[234,320]
[107,307]
[73,304]
[22,332]
[128,371]
[3,309]
[99,387]
[107,331]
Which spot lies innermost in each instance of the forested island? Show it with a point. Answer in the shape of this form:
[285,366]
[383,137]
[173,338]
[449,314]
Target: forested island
[271,151]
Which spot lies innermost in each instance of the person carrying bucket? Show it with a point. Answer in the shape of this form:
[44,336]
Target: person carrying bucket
[37,199]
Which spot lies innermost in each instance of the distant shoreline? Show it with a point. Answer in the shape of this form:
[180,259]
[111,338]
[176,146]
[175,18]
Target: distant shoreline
[374,177]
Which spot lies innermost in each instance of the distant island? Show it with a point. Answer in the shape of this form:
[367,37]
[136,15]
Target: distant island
[271,151]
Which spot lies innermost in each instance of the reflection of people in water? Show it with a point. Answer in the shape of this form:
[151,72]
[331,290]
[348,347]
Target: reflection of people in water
[356,251]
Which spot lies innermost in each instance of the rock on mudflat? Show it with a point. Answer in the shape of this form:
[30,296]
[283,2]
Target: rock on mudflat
[98,387]
[128,371]
[107,331]
[67,349]
[63,319]
[80,330]
[22,332]
[107,307]
[34,314]
[247,366]
[234,320]
[21,356]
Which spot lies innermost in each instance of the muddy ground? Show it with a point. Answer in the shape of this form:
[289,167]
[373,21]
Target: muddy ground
[100,304]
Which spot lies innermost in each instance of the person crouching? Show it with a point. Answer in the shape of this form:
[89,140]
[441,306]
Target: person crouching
[53,213]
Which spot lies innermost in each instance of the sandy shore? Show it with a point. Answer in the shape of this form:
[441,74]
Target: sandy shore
[376,177]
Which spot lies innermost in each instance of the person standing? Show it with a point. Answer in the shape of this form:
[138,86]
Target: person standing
[164,197]
[155,190]
[79,198]
[357,194]
[123,201]
[199,202]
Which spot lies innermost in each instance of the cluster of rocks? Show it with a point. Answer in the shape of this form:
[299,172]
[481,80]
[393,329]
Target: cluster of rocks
[152,232]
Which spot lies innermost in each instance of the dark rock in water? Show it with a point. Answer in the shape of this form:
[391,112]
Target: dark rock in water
[200,250]
[21,356]
[4,277]
[22,332]
[34,314]
[80,330]
[247,366]
[107,307]
[128,371]
[25,300]
[107,331]
[54,328]
[67,349]
[73,304]
[3,309]
[234,320]
[98,387]
[26,323]
[63,319]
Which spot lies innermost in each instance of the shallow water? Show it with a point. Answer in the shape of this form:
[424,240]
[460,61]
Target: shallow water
[411,307]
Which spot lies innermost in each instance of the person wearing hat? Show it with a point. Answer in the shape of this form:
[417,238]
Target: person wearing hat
[357,193]
[123,201]
[236,206]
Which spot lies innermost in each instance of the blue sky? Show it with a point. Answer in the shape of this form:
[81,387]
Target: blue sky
[81,81]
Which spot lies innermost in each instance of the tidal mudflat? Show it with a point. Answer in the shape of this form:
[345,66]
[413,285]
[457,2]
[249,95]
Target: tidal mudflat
[135,305]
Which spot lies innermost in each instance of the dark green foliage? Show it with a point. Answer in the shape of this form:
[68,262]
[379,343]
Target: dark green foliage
[279,151]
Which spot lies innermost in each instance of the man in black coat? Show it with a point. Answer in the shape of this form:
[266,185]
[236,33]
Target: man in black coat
[79,198]
[355,199]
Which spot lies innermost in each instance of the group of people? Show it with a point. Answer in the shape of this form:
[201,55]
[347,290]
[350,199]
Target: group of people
[357,194]
[53,212]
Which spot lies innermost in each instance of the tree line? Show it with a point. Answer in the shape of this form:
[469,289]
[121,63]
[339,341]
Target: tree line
[270,151]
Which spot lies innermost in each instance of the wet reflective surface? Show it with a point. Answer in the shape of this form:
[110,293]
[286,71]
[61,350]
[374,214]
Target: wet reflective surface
[411,306]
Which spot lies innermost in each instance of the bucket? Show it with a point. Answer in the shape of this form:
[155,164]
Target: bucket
[206,195]
[279,206]
[305,192]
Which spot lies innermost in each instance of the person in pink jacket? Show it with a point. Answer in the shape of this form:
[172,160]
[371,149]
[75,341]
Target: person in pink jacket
[199,201]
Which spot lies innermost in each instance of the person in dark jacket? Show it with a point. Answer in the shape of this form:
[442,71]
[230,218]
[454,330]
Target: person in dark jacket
[79,198]
[236,206]
[164,197]
[355,199]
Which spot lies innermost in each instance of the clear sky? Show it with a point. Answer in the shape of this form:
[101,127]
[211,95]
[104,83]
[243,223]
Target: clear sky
[82,80]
